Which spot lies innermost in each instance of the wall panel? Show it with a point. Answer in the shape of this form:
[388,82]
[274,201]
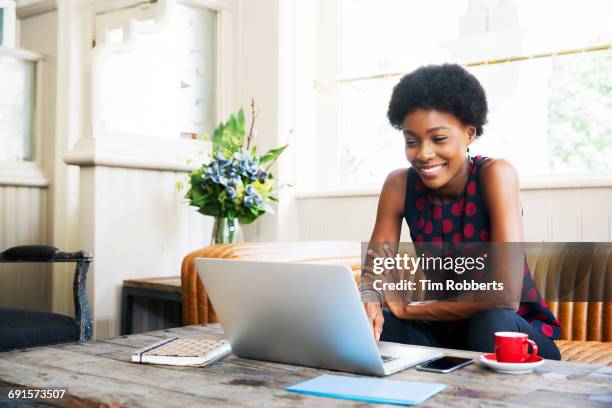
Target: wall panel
[553,215]
[142,228]
[22,222]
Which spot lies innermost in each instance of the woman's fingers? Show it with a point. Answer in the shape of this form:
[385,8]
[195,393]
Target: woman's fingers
[374,313]
[378,325]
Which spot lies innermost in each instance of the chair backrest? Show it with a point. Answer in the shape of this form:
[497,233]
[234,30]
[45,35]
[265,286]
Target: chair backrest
[580,320]
[575,273]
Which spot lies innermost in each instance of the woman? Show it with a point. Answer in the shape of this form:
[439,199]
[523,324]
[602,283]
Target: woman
[448,196]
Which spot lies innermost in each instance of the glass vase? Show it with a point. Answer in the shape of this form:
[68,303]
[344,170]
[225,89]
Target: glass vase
[226,231]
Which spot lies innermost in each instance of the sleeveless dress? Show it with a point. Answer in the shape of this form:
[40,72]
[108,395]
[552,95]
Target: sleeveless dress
[466,219]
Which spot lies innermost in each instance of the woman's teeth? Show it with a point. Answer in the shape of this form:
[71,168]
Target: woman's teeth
[431,169]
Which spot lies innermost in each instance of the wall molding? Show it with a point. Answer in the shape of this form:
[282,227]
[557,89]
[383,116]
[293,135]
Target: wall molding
[551,182]
[31,8]
[22,174]
[19,53]
[139,152]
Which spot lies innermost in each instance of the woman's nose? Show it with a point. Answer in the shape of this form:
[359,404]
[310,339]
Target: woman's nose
[425,152]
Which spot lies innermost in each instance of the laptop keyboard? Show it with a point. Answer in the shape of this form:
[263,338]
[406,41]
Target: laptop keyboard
[386,359]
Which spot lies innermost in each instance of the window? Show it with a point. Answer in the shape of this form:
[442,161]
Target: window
[17,91]
[16,108]
[549,114]
[166,86]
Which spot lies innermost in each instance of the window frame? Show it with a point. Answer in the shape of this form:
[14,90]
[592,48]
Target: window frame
[326,79]
[27,173]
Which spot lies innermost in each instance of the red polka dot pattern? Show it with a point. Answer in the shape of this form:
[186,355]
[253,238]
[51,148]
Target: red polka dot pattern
[457,208]
[468,230]
[421,222]
[437,213]
[470,209]
[447,226]
[547,330]
[466,220]
[471,188]
[524,309]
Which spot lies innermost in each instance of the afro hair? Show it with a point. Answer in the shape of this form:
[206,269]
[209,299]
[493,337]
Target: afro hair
[446,88]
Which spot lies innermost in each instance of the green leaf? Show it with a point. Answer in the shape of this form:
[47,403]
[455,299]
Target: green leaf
[241,122]
[229,137]
[272,154]
[247,218]
[217,137]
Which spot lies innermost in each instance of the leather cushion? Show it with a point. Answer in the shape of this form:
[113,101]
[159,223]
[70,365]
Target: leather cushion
[596,352]
[28,328]
[31,253]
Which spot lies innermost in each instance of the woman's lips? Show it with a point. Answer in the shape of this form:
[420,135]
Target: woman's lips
[431,170]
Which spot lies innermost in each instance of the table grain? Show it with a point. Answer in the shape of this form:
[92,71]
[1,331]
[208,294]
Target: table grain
[101,374]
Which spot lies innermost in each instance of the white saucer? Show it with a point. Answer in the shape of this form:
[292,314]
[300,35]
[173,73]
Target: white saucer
[510,368]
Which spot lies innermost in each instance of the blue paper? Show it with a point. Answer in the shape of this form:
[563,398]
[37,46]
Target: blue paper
[368,389]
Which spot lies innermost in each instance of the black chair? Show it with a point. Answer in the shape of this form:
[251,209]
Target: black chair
[25,328]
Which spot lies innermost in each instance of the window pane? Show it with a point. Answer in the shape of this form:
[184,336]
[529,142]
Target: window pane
[547,116]
[16,108]
[550,116]
[166,85]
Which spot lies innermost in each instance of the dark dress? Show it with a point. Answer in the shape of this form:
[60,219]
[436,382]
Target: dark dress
[466,219]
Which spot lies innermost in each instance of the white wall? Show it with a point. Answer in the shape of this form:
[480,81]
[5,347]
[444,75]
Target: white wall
[22,222]
[25,204]
[138,227]
[549,214]
[130,214]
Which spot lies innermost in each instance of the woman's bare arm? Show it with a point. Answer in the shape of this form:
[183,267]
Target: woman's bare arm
[387,229]
[390,212]
[500,188]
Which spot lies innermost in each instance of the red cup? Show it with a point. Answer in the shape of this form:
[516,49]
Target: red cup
[512,347]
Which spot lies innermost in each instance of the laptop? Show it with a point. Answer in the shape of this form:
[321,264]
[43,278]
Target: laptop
[304,314]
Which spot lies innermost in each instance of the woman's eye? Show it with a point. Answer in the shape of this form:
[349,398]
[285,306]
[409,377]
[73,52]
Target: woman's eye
[411,143]
[438,139]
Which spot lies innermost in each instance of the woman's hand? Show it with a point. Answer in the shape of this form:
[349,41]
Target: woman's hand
[375,316]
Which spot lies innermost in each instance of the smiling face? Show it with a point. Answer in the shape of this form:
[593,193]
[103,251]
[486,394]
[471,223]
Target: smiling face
[436,147]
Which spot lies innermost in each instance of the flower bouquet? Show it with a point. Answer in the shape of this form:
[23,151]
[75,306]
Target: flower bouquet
[236,185]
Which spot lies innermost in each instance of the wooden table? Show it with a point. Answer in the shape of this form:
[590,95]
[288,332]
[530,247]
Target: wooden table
[100,374]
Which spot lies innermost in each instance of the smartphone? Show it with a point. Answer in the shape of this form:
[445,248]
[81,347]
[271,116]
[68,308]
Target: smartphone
[445,364]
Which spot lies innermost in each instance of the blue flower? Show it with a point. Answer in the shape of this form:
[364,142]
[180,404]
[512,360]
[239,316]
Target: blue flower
[236,181]
[220,159]
[262,176]
[213,172]
[250,190]
[248,201]
[231,192]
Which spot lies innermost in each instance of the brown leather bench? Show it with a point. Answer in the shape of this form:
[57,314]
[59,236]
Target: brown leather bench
[586,334]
